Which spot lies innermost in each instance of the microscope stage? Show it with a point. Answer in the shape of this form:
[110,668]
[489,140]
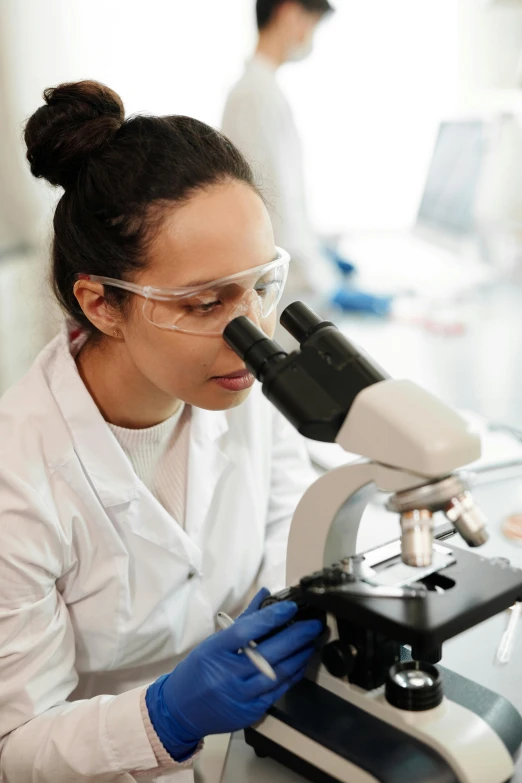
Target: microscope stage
[466,593]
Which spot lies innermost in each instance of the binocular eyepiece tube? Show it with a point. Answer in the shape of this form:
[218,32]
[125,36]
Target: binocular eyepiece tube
[252,345]
[257,350]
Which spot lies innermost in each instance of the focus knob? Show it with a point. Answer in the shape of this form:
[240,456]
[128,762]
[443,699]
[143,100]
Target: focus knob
[339,658]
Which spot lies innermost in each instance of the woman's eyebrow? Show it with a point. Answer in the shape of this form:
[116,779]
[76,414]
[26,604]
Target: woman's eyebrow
[194,283]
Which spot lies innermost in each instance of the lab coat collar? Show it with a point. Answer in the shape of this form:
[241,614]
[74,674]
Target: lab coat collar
[108,468]
[262,63]
[112,475]
[207,464]
[208,425]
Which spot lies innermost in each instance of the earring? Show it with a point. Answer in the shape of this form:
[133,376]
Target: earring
[116,333]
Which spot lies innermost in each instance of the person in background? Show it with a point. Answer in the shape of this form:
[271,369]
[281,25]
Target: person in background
[258,119]
[145,482]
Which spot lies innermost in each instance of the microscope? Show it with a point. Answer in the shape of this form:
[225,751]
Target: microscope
[374,706]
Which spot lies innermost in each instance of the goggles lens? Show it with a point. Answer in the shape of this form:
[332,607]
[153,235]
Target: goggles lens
[209,309]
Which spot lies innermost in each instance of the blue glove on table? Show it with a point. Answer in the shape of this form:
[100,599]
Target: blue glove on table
[352,300]
[217,690]
[343,264]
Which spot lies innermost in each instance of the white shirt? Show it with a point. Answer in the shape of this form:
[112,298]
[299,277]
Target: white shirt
[146,446]
[159,456]
[259,121]
[100,590]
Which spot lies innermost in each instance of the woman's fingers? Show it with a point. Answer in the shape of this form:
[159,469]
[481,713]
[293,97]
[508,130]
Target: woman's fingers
[259,684]
[290,640]
[256,625]
[273,696]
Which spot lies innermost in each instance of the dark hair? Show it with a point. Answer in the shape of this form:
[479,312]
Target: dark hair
[265,9]
[118,175]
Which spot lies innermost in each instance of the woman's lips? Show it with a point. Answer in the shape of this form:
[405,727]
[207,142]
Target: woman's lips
[235,381]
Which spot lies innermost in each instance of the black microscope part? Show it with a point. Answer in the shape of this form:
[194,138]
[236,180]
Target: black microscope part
[301,322]
[253,346]
[339,658]
[421,652]
[414,699]
[304,610]
[483,588]
[315,386]
[377,627]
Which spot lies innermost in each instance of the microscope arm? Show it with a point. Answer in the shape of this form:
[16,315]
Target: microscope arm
[350,488]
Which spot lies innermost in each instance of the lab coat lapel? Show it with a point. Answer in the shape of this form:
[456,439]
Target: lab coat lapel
[130,504]
[146,518]
[110,473]
[207,464]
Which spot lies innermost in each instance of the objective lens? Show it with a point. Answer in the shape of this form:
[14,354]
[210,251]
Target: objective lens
[468,519]
[417,537]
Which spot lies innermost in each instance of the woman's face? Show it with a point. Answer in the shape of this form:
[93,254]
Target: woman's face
[218,232]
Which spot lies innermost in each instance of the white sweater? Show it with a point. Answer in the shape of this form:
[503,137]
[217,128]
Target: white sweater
[159,456]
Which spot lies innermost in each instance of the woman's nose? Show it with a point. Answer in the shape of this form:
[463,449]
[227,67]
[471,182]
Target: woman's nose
[250,306]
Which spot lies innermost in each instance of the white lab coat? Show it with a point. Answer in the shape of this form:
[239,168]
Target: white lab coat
[258,120]
[101,591]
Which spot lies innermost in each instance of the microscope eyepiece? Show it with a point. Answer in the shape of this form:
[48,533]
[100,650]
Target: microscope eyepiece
[241,334]
[253,346]
[315,386]
[301,322]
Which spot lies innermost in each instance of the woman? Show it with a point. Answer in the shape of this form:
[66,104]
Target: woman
[144,484]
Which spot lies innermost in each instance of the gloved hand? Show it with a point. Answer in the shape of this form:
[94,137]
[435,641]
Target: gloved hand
[345,266]
[352,300]
[217,690]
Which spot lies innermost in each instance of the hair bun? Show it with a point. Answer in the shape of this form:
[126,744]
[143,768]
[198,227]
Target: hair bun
[78,120]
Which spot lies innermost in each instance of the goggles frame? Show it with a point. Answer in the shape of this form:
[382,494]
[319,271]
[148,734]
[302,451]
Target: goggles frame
[173,294]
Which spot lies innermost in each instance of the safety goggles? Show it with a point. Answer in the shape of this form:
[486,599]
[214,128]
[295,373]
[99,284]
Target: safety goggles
[207,309]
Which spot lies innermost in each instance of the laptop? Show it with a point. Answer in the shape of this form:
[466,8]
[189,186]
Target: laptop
[440,254]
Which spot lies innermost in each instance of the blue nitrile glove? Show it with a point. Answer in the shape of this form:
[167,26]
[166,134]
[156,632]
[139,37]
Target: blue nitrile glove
[352,300]
[345,266]
[217,690]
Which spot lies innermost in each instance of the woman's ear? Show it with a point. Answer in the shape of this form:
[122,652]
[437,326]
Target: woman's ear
[91,299]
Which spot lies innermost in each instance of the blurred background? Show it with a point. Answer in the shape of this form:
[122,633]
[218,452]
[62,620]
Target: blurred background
[410,114]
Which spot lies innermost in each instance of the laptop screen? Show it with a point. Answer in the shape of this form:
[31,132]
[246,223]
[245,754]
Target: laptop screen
[453,177]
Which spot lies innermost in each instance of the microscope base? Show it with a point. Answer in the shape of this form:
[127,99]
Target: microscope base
[327,739]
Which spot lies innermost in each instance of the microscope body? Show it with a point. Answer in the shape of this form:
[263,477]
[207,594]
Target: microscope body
[365,713]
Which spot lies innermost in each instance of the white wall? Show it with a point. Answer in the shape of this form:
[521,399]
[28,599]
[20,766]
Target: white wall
[162,56]
[491,48]
[368,102]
